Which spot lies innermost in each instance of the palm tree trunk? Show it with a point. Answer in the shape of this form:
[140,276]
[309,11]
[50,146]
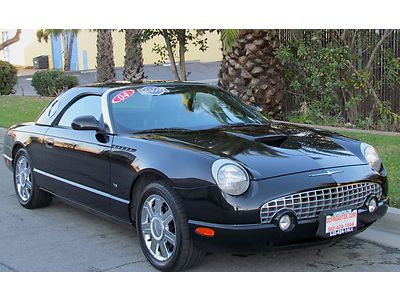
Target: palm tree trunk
[65,50]
[105,56]
[133,61]
[67,63]
[251,71]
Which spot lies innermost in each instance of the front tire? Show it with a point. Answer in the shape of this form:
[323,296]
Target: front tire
[163,229]
[29,194]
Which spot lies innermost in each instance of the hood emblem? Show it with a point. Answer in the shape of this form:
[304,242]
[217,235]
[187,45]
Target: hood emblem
[327,173]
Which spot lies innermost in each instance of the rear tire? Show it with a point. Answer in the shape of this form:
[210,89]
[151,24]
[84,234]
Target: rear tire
[29,194]
[163,229]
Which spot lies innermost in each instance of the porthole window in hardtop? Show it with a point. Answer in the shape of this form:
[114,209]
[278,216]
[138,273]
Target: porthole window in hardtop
[53,108]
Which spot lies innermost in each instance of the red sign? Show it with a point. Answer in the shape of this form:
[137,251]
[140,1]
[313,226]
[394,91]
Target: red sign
[122,96]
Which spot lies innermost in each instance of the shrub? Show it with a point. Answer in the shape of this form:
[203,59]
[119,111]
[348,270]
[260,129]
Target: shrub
[8,78]
[316,74]
[52,83]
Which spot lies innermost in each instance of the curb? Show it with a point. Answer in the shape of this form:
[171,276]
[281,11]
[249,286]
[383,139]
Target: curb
[393,210]
[385,231]
[380,237]
[390,222]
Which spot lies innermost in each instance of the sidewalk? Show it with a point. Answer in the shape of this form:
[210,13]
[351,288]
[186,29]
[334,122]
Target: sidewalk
[385,231]
[26,72]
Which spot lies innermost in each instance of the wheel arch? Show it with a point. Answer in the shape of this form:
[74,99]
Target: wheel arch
[145,177]
[17,146]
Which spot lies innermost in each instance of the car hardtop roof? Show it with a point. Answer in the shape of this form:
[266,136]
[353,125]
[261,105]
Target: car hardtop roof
[126,84]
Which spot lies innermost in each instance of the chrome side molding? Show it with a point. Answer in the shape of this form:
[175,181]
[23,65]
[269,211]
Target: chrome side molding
[81,186]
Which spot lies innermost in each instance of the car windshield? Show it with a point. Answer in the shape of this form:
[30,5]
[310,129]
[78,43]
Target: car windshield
[178,108]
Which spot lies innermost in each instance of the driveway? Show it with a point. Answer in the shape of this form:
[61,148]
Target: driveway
[63,238]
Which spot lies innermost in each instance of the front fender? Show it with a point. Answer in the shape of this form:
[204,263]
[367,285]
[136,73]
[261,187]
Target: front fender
[186,169]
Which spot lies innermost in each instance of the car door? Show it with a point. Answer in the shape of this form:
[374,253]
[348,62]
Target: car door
[77,161]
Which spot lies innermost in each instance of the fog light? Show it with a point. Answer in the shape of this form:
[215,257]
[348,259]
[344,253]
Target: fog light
[285,222]
[372,205]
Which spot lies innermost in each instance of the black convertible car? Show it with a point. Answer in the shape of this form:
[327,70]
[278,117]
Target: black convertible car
[194,168]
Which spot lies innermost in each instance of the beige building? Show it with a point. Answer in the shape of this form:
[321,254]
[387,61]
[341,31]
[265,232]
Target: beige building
[22,52]
[84,51]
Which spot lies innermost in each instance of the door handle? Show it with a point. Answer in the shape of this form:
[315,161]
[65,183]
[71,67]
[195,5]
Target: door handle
[49,142]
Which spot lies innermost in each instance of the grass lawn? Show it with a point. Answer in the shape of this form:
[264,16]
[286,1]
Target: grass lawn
[17,109]
[388,148]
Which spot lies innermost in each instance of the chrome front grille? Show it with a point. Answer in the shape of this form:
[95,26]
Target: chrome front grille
[309,204]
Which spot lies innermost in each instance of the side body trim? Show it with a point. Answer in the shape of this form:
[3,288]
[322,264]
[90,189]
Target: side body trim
[81,186]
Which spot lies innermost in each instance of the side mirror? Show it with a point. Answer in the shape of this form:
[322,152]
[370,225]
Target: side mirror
[86,123]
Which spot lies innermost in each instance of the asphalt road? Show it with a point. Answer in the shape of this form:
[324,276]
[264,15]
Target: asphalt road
[206,72]
[63,238]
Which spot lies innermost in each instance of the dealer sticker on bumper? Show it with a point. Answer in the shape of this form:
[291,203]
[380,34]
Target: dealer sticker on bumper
[341,222]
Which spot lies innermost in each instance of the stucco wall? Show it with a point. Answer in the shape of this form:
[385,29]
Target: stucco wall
[28,47]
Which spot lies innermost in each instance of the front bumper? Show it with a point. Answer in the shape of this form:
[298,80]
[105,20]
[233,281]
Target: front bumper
[258,237]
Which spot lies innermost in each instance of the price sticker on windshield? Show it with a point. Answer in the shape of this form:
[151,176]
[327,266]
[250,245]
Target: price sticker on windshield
[122,96]
[153,90]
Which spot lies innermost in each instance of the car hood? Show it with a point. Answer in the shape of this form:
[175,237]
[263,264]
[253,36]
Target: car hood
[271,150]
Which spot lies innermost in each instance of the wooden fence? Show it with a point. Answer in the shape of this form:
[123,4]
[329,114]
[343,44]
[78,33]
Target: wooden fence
[387,92]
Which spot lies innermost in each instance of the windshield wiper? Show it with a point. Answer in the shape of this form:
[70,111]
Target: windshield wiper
[166,129]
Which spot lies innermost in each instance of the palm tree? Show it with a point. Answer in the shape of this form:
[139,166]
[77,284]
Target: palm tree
[250,70]
[133,64]
[44,34]
[105,56]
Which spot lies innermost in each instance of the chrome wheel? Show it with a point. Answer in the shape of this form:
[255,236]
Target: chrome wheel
[158,227]
[23,178]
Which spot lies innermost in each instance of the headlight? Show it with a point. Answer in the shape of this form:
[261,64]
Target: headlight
[231,177]
[371,156]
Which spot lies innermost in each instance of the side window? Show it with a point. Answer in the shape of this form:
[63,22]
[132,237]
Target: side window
[85,106]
